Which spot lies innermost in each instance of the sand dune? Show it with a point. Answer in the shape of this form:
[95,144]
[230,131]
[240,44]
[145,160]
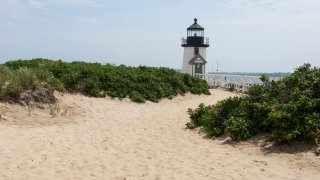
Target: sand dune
[89,138]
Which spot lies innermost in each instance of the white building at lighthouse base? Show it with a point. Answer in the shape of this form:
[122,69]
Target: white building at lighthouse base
[194,61]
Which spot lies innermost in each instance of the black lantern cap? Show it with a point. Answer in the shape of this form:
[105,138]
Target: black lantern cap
[195,26]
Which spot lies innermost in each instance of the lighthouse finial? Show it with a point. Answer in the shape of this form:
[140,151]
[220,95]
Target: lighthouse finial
[195,20]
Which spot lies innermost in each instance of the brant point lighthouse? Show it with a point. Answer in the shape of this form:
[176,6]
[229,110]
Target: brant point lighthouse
[194,56]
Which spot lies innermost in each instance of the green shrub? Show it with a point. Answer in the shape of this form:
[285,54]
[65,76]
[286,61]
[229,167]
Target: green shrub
[137,97]
[207,118]
[232,87]
[313,127]
[198,115]
[288,110]
[238,128]
[139,83]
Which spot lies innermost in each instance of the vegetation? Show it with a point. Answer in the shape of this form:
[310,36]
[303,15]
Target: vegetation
[287,110]
[14,82]
[232,87]
[93,79]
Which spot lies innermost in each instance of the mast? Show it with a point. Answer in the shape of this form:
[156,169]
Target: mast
[217,65]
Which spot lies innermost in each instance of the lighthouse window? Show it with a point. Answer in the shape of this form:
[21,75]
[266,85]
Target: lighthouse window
[196,33]
[196,51]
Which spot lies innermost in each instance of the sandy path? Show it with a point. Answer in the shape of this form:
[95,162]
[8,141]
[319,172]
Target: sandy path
[114,139]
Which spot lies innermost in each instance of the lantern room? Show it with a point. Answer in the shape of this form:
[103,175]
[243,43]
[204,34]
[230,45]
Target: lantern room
[195,36]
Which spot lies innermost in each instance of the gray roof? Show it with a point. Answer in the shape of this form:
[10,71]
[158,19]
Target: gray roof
[195,25]
[198,56]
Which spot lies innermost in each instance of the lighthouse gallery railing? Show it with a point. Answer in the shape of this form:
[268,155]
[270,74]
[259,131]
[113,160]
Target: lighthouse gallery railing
[184,41]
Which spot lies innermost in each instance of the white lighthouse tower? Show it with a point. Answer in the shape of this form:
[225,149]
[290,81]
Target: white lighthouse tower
[194,56]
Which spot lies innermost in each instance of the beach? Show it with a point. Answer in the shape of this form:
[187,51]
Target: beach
[104,138]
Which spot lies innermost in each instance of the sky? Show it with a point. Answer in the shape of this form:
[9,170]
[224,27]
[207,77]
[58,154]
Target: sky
[245,35]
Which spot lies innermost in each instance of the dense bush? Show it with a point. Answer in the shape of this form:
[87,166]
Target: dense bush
[139,83]
[287,110]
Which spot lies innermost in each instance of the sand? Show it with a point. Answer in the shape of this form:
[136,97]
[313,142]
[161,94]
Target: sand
[89,138]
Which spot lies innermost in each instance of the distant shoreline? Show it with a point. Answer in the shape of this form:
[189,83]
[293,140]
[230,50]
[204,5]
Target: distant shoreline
[274,74]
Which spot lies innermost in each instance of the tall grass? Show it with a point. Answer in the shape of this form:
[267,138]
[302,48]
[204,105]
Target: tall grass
[13,82]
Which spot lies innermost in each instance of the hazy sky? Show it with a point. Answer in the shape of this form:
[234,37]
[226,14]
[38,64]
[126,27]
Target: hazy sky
[245,35]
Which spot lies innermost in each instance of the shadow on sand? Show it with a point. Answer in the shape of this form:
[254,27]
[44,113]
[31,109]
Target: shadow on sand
[264,146]
[269,147]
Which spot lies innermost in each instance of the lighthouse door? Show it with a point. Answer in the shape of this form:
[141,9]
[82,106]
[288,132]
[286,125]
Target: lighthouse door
[198,68]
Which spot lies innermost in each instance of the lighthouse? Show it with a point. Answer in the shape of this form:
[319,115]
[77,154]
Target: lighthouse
[194,55]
